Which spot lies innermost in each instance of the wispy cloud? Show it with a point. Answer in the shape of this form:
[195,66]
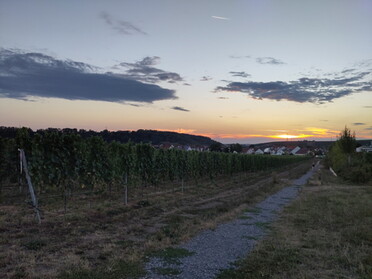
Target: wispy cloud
[25,75]
[206,78]
[269,60]
[121,26]
[348,71]
[240,74]
[315,131]
[181,131]
[312,90]
[220,17]
[239,56]
[180,109]
[145,71]
[134,105]
[359,124]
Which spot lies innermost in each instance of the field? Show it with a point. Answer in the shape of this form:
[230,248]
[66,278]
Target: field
[99,237]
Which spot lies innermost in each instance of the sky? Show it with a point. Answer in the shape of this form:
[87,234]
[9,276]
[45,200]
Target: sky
[243,71]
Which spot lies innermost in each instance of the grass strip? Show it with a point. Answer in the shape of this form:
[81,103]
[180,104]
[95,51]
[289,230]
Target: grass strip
[118,270]
[324,234]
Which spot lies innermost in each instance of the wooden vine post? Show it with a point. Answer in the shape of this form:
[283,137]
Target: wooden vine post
[29,182]
[126,189]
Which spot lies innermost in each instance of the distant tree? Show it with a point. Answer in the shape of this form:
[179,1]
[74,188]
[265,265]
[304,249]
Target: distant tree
[216,146]
[236,147]
[340,153]
[347,142]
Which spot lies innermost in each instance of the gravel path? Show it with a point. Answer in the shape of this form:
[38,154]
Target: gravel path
[217,249]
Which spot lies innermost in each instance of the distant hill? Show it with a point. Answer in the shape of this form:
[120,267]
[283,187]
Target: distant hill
[156,137]
[146,136]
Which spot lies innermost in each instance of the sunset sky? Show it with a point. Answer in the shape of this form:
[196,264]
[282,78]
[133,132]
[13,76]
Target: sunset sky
[242,71]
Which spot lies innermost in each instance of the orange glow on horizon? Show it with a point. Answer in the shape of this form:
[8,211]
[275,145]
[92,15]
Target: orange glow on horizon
[246,136]
[314,133]
[290,136]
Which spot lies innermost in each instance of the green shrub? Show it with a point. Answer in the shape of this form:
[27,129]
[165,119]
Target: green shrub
[357,174]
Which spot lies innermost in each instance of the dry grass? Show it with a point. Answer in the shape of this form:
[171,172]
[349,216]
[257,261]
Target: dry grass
[100,237]
[326,233]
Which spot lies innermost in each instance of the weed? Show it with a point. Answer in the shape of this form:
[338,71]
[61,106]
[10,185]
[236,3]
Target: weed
[171,255]
[143,203]
[245,217]
[128,269]
[166,271]
[73,217]
[118,270]
[247,224]
[19,273]
[254,210]
[124,243]
[173,228]
[263,225]
[34,244]
[79,273]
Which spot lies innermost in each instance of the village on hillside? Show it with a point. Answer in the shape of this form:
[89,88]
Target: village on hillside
[251,150]
[305,148]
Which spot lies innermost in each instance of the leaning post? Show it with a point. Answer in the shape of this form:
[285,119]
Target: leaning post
[30,187]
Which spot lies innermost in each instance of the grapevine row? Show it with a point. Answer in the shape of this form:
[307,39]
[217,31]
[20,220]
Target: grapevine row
[58,160]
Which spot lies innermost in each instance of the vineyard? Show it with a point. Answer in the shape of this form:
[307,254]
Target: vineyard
[67,162]
[81,185]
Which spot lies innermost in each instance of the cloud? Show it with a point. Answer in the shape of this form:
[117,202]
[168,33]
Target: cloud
[134,105]
[348,71]
[180,131]
[239,56]
[368,129]
[180,109]
[359,124]
[121,26]
[223,98]
[206,78]
[143,70]
[240,74]
[312,90]
[220,17]
[26,75]
[367,106]
[269,60]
